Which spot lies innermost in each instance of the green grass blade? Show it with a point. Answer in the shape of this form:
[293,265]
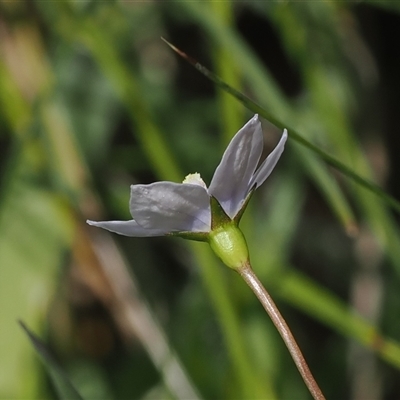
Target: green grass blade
[253,106]
[64,387]
[305,295]
[231,111]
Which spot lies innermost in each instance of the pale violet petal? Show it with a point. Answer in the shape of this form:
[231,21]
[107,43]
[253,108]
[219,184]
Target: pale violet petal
[127,228]
[231,179]
[171,207]
[269,163]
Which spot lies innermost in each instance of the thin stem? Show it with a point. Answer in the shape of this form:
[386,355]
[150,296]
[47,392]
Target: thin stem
[270,307]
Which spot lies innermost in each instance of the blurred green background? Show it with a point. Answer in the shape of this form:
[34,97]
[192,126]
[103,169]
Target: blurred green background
[91,101]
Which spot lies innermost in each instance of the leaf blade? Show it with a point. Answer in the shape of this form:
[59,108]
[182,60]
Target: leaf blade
[64,387]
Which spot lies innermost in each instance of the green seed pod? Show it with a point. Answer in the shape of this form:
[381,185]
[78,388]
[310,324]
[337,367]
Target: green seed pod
[229,245]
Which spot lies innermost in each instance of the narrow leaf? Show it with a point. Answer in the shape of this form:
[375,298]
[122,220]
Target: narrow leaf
[253,106]
[62,383]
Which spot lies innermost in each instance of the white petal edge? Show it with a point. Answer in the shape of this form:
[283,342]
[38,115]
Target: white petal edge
[230,182]
[265,169]
[171,207]
[127,228]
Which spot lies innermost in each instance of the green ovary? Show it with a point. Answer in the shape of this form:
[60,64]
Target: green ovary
[230,245]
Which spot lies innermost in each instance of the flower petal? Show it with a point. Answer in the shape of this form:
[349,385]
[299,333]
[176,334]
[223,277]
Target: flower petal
[127,228]
[171,207]
[269,163]
[231,179]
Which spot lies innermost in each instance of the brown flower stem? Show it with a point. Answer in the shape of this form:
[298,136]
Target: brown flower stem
[270,307]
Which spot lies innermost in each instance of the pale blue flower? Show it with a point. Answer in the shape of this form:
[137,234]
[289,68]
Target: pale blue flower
[163,208]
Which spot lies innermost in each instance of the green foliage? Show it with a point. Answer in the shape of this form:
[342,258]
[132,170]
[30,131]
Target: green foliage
[91,101]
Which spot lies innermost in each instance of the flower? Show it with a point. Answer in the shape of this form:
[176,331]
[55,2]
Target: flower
[162,208]
[192,210]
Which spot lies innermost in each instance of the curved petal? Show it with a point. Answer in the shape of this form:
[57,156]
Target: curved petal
[171,207]
[269,163]
[127,228]
[231,179]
